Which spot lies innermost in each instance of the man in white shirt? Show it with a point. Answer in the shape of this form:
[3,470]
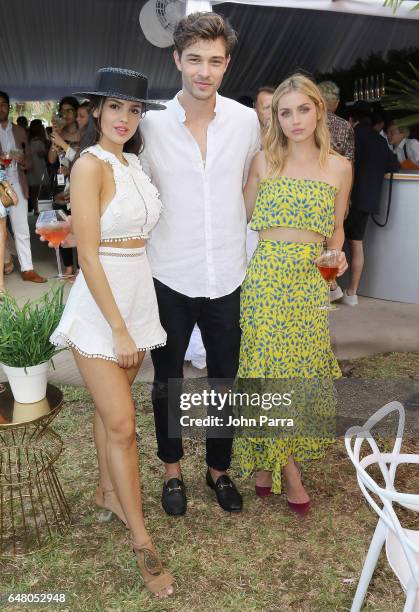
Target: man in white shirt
[197,153]
[13,140]
[406,149]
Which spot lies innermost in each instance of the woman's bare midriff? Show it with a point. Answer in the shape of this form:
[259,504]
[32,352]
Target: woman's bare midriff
[287,234]
[132,243]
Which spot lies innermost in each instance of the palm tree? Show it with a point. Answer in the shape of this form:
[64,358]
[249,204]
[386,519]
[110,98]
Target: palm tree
[403,92]
[403,95]
[395,4]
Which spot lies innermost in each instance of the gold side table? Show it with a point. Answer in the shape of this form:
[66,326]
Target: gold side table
[33,507]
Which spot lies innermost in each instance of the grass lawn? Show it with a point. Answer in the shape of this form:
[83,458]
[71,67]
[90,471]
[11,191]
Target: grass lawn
[264,559]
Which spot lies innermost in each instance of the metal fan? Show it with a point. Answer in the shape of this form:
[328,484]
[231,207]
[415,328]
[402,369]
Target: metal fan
[158,19]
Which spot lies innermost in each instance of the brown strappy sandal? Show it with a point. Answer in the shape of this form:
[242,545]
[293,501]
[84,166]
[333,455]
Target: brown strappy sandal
[108,513]
[156,579]
[8,267]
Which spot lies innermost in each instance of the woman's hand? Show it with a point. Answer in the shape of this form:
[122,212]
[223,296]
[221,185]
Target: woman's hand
[69,241]
[58,141]
[19,157]
[125,349]
[342,263]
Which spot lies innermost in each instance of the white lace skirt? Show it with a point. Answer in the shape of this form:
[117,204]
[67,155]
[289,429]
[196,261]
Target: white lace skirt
[83,326]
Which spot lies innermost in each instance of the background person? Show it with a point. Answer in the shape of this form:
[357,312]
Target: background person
[13,139]
[38,147]
[341,132]
[23,122]
[263,105]
[64,145]
[342,140]
[373,159]
[406,149]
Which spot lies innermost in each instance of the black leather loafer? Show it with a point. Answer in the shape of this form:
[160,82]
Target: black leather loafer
[173,498]
[227,494]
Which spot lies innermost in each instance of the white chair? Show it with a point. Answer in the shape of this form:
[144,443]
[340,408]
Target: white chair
[402,545]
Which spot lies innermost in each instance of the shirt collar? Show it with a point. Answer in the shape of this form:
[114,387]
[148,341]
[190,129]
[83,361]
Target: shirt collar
[401,144]
[8,127]
[180,111]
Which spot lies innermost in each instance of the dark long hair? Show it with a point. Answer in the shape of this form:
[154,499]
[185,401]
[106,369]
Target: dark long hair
[93,131]
[37,130]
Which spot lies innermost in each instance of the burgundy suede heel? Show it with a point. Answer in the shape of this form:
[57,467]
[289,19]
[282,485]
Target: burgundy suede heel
[300,509]
[263,491]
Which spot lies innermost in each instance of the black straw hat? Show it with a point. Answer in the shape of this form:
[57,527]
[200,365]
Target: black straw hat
[123,84]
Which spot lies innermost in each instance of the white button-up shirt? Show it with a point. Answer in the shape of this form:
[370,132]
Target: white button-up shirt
[409,146]
[7,142]
[198,247]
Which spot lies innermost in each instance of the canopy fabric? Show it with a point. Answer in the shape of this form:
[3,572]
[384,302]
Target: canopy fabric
[357,7]
[51,48]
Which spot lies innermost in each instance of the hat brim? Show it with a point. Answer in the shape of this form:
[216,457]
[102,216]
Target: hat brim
[150,104]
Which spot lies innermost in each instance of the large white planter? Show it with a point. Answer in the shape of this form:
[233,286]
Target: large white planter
[28,384]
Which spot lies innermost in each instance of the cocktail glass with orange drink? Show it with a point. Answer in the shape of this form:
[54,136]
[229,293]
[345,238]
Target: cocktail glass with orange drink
[328,265]
[54,226]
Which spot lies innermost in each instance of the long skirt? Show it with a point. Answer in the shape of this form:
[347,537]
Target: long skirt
[285,338]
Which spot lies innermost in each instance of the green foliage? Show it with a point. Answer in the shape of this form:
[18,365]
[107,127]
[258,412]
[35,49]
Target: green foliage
[395,4]
[403,95]
[25,330]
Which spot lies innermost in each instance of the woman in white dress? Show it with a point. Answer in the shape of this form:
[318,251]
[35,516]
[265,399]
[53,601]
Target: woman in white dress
[111,316]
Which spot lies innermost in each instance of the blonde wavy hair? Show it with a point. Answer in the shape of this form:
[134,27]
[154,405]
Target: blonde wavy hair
[275,142]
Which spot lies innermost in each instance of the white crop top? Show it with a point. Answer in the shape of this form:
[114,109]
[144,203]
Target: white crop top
[135,208]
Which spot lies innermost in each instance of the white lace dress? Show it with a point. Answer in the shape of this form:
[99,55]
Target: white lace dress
[132,213]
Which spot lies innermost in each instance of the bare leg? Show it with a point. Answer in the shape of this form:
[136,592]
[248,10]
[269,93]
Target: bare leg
[172,470]
[107,497]
[296,493]
[109,387]
[357,265]
[263,478]
[3,235]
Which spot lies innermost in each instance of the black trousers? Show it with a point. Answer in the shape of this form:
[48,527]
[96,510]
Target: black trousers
[218,320]
[66,253]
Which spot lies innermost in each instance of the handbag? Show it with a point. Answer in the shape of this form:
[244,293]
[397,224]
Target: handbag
[8,195]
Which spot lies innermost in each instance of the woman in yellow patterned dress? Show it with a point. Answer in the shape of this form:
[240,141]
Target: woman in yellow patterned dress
[296,196]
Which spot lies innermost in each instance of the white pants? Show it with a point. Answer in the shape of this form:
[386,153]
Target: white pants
[252,240]
[196,351]
[19,220]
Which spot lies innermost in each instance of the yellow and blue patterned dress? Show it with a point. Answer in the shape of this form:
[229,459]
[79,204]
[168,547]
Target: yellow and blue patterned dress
[285,333]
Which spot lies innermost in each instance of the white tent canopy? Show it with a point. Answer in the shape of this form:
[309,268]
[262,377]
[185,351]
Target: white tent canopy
[49,49]
[356,7]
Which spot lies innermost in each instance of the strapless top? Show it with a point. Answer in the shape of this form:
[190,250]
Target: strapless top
[299,203]
[135,208]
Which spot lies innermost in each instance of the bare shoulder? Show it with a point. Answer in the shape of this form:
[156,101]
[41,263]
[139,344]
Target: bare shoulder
[340,167]
[87,167]
[259,164]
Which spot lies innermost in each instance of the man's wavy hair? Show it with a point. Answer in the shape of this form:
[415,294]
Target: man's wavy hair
[205,26]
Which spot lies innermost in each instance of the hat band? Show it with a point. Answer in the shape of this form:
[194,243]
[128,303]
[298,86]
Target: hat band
[125,85]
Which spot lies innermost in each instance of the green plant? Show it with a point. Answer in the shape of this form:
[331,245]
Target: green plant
[403,95]
[395,4]
[25,330]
